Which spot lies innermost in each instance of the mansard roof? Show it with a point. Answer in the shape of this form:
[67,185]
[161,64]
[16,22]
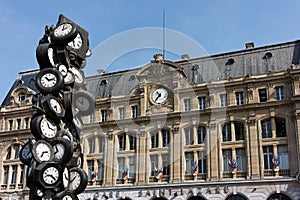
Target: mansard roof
[254,61]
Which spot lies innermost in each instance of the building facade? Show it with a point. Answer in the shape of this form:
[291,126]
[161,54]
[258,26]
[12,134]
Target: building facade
[219,127]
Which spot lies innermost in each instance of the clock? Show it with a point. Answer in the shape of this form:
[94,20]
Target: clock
[66,177]
[78,180]
[84,103]
[25,154]
[63,150]
[53,106]
[42,151]
[36,191]
[77,42]
[64,33]
[45,55]
[79,76]
[49,80]
[68,75]
[49,174]
[43,127]
[66,195]
[67,100]
[160,95]
[76,160]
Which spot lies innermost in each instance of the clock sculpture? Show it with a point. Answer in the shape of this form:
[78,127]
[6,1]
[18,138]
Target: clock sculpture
[54,155]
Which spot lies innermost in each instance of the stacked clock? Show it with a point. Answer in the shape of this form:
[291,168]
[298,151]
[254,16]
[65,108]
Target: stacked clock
[54,156]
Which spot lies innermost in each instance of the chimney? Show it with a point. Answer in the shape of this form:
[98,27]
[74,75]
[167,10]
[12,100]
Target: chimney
[185,57]
[158,57]
[101,71]
[249,45]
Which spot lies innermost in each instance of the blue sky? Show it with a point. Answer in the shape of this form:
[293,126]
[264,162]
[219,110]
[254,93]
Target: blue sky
[216,25]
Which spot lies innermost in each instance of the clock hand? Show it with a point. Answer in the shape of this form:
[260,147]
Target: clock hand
[159,95]
[51,79]
[43,153]
[49,126]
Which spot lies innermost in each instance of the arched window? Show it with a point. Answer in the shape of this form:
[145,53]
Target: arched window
[236,197]
[279,197]
[267,129]
[226,132]
[196,198]
[239,131]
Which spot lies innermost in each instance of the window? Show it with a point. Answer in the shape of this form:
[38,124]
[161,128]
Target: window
[201,132]
[121,113]
[239,131]
[10,125]
[8,154]
[154,140]
[202,162]
[189,162]
[227,157]
[239,96]
[21,174]
[92,117]
[121,167]
[166,164]
[280,127]
[18,124]
[100,169]
[189,136]
[91,142]
[202,103]
[16,150]
[241,159]
[122,142]
[223,100]
[187,104]
[268,156]
[14,174]
[104,115]
[26,123]
[226,132]
[266,127]
[91,169]
[134,111]
[262,95]
[22,97]
[154,164]
[5,174]
[165,138]
[279,93]
[283,156]
[132,142]
[101,143]
[131,170]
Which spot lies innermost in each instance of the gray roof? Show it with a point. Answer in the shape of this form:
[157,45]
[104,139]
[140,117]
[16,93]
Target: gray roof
[253,61]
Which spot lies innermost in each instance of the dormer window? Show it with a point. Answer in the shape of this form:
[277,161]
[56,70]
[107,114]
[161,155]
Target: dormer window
[268,55]
[22,97]
[230,61]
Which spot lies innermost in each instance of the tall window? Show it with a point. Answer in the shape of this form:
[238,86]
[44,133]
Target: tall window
[92,117]
[202,103]
[90,168]
[189,136]
[91,142]
[263,95]
[18,124]
[132,164]
[104,115]
[266,127]
[100,169]
[187,104]
[279,93]
[165,137]
[14,174]
[8,154]
[280,127]
[134,111]
[202,162]
[189,161]
[241,159]
[268,156]
[283,156]
[226,132]
[5,174]
[239,131]
[132,142]
[239,96]
[223,100]
[201,132]
[16,150]
[122,142]
[154,164]
[121,113]
[101,143]
[227,156]
[166,164]
[154,139]
[26,123]
[21,174]
[10,124]
[121,167]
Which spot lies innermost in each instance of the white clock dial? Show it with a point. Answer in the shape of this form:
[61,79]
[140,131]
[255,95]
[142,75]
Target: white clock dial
[56,106]
[43,152]
[63,70]
[160,95]
[75,179]
[67,197]
[76,43]
[66,177]
[48,80]
[63,30]
[79,78]
[48,128]
[50,56]
[59,150]
[51,175]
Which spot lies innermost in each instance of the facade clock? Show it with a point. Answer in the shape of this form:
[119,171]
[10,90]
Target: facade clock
[159,95]
[84,102]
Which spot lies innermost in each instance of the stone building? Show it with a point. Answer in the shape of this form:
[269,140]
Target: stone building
[222,127]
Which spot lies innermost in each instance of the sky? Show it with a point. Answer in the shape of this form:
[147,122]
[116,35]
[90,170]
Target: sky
[125,34]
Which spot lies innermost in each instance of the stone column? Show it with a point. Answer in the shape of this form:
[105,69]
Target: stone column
[254,148]
[109,160]
[176,157]
[142,174]
[213,151]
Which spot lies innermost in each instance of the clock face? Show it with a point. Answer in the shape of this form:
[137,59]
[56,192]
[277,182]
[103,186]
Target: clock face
[63,70]
[160,95]
[51,175]
[75,179]
[79,77]
[55,105]
[59,150]
[42,151]
[51,56]
[63,30]
[66,177]
[48,128]
[48,80]
[76,43]
[78,180]
[25,154]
